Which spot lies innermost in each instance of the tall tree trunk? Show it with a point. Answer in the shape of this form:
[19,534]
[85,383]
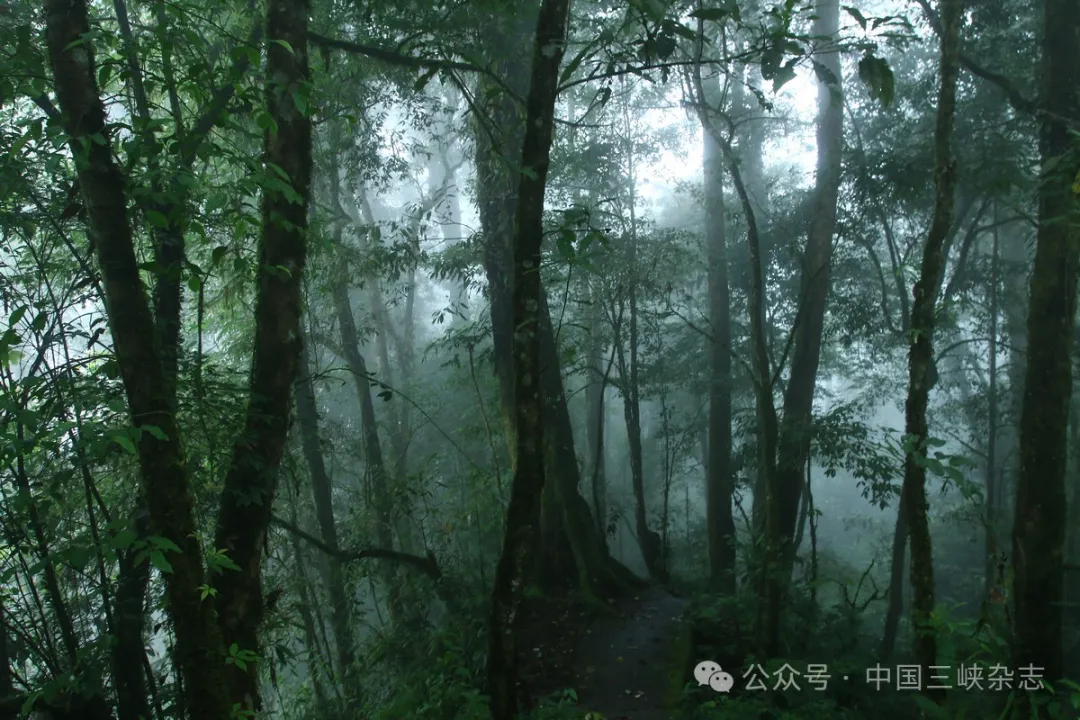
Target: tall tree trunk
[307,416]
[379,477]
[569,528]
[163,470]
[650,542]
[10,702]
[523,513]
[921,371]
[251,482]
[794,441]
[596,380]
[895,609]
[719,478]
[767,578]
[1040,513]
[573,547]
[1016,282]
[990,542]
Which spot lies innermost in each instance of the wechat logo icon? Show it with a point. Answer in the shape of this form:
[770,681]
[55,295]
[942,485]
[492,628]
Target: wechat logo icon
[710,673]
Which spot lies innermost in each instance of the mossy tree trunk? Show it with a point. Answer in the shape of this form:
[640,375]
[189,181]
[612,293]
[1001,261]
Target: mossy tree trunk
[1040,512]
[921,371]
[572,551]
[251,482]
[523,513]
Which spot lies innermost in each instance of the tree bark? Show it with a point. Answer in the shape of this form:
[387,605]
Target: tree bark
[719,478]
[523,513]
[990,549]
[921,372]
[767,578]
[251,482]
[163,471]
[1040,513]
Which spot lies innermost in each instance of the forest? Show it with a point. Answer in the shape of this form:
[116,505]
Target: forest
[538,359]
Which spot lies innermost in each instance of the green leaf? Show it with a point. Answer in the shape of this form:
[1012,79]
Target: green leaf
[163,543]
[216,201]
[574,64]
[124,539]
[218,254]
[79,557]
[157,559]
[424,79]
[104,74]
[16,316]
[878,78]
[300,102]
[157,219]
[32,133]
[285,44]
[155,432]
[279,171]
[717,14]
[221,560]
[665,45]
[123,441]
[784,74]
[859,17]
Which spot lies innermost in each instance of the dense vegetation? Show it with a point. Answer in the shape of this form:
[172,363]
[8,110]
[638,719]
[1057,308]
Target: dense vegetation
[385,359]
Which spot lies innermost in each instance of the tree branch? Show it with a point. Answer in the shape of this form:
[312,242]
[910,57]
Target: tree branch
[191,143]
[427,565]
[1016,98]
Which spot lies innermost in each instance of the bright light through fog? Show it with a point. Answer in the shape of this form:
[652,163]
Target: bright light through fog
[793,155]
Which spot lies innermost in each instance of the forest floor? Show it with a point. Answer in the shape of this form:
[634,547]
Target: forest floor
[623,665]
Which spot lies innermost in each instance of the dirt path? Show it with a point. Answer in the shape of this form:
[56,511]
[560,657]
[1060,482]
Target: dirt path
[630,663]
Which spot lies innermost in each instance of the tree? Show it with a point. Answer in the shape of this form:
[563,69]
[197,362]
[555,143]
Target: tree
[720,479]
[201,637]
[794,441]
[921,370]
[572,551]
[526,491]
[1040,510]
